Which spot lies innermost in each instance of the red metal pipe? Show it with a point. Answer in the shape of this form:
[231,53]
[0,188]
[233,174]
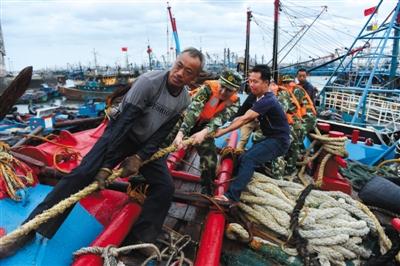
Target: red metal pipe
[185,176]
[211,240]
[175,158]
[114,234]
[396,224]
[355,136]
[213,234]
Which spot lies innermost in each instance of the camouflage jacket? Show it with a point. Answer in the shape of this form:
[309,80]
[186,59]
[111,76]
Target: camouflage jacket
[194,110]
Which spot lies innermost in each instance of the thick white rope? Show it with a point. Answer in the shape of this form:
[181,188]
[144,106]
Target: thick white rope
[332,222]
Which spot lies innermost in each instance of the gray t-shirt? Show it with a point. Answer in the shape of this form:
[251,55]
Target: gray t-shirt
[149,93]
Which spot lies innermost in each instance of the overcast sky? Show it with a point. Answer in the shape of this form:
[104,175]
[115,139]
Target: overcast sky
[55,33]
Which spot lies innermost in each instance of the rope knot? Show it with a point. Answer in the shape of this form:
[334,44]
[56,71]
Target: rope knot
[110,251]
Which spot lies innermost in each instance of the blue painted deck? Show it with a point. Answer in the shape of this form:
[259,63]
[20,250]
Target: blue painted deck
[79,230]
[367,154]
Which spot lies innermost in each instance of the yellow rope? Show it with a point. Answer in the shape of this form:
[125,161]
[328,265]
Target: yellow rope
[388,161]
[12,181]
[68,202]
[384,241]
[332,146]
[46,139]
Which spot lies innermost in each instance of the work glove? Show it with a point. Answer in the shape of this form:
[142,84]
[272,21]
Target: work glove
[131,165]
[101,177]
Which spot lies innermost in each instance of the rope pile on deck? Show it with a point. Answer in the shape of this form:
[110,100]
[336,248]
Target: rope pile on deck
[332,224]
[8,176]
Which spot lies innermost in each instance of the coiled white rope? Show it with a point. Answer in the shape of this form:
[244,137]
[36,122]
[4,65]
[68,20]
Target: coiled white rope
[332,222]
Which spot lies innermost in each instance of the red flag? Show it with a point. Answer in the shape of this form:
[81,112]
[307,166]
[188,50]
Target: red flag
[369,11]
[124,49]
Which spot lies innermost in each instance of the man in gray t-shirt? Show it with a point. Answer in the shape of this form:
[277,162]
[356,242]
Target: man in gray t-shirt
[146,115]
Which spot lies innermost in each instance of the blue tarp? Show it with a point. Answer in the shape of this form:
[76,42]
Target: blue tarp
[79,230]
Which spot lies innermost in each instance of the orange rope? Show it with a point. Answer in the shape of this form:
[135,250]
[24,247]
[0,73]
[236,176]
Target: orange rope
[48,140]
[65,154]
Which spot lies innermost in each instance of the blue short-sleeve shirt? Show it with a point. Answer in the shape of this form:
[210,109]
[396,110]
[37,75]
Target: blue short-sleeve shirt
[273,121]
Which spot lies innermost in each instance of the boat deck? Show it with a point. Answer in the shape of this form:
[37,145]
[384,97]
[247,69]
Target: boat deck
[182,218]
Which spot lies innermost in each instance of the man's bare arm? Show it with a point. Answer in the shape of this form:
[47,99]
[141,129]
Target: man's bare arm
[250,115]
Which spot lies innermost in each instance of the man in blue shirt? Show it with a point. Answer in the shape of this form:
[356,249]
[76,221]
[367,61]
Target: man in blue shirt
[273,124]
[307,86]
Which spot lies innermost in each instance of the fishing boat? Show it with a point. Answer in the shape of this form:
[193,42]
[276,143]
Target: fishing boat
[364,88]
[108,215]
[193,234]
[95,88]
[82,93]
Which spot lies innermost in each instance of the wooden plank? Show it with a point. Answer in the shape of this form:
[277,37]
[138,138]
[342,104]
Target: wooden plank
[178,184]
[188,187]
[170,222]
[178,210]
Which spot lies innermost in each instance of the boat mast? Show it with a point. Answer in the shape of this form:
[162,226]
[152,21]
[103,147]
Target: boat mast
[95,61]
[2,55]
[275,44]
[174,31]
[247,50]
[149,53]
[395,52]
[2,62]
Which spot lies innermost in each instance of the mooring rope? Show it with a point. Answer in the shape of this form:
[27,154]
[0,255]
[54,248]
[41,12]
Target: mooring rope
[110,253]
[331,145]
[60,207]
[332,222]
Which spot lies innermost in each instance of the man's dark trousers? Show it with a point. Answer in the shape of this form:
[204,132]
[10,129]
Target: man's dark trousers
[155,207]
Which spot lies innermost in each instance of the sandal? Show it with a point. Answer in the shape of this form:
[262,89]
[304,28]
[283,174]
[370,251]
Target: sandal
[221,198]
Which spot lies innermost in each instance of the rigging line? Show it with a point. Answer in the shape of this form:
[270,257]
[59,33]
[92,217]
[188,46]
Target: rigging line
[334,28]
[290,41]
[263,35]
[290,18]
[309,52]
[308,7]
[305,49]
[316,48]
[258,23]
[328,40]
[306,13]
[263,24]
[323,10]
[269,33]
[305,21]
[300,15]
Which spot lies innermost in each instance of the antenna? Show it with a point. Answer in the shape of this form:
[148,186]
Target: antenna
[95,61]
[2,56]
